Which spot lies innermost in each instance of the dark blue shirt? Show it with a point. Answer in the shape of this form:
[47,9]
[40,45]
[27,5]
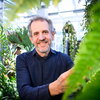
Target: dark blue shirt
[35,73]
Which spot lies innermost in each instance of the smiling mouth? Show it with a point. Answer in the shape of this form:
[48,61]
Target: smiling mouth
[43,44]
[44,41]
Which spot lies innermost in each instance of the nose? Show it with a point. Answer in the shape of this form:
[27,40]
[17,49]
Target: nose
[41,37]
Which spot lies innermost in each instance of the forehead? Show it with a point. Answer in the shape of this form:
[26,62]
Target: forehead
[39,24]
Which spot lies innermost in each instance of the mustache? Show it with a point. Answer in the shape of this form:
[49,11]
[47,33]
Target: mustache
[44,40]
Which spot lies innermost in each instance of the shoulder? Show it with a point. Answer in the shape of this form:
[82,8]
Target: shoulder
[62,55]
[25,55]
[65,58]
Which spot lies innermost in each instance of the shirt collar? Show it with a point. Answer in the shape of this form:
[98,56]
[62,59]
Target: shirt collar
[51,51]
[34,52]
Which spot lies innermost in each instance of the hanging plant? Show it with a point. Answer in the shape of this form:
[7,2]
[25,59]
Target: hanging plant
[69,35]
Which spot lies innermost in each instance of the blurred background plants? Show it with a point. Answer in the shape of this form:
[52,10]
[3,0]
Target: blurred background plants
[7,70]
[8,89]
[20,37]
[10,39]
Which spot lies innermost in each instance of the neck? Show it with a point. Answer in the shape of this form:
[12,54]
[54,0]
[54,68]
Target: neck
[43,54]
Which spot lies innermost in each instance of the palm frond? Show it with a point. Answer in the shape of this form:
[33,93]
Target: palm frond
[20,36]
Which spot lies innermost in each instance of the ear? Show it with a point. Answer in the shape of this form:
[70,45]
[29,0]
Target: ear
[53,33]
[31,39]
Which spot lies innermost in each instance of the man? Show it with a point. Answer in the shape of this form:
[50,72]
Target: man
[42,73]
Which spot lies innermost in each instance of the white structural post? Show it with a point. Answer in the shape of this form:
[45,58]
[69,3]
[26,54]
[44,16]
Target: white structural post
[1,11]
[1,21]
[42,11]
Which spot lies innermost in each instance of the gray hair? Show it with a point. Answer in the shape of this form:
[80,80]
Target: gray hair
[36,18]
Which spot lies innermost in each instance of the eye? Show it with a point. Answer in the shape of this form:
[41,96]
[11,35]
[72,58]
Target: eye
[35,33]
[45,31]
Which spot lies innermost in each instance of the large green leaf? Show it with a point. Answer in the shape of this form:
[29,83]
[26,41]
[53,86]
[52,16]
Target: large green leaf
[87,61]
[21,6]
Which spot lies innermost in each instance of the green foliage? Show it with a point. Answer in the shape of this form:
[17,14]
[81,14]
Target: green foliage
[20,37]
[7,71]
[1,29]
[7,85]
[8,90]
[6,52]
[20,6]
[56,2]
[92,89]
[87,61]
[87,16]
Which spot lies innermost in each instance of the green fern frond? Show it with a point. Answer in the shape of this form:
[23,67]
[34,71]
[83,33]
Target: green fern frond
[87,61]
[92,89]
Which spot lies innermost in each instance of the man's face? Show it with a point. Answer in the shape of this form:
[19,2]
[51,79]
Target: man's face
[41,36]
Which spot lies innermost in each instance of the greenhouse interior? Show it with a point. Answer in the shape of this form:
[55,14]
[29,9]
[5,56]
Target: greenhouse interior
[72,47]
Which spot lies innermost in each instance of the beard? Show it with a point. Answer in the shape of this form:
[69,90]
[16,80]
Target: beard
[43,51]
